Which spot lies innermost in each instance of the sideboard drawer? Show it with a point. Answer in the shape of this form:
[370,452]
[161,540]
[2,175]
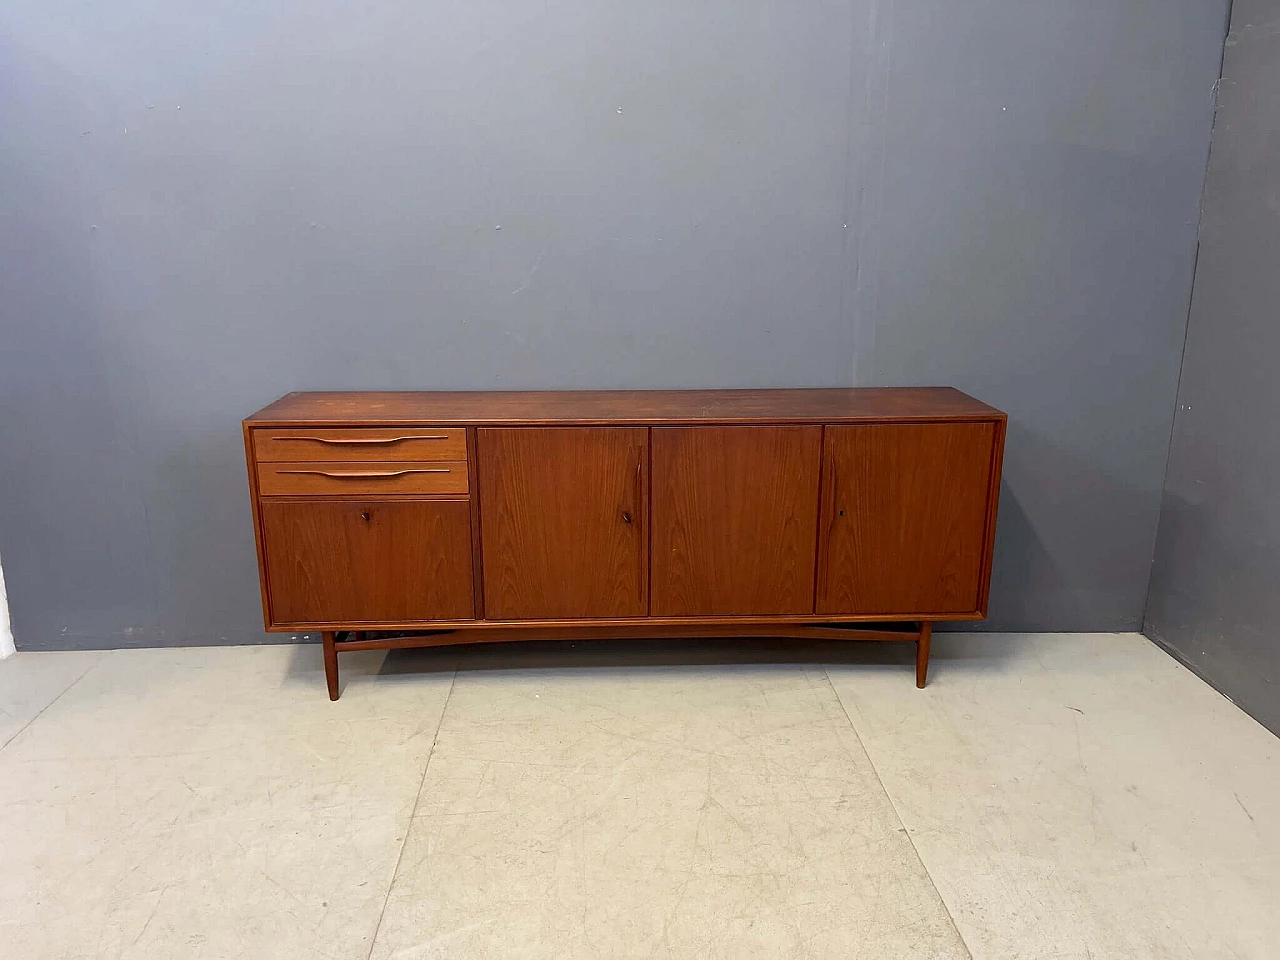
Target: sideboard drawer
[361,443]
[367,560]
[361,479]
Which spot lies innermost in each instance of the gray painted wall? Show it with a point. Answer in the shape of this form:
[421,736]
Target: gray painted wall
[207,205]
[1215,587]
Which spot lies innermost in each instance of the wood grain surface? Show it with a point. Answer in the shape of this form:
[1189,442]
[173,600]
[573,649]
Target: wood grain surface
[649,407]
[773,513]
[356,561]
[360,443]
[904,510]
[564,524]
[364,479]
[735,518]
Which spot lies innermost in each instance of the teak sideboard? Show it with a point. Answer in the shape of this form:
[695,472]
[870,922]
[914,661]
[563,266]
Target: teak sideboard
[417,519]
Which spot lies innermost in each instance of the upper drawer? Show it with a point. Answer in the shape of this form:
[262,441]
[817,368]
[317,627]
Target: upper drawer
[361,479]
[361,443]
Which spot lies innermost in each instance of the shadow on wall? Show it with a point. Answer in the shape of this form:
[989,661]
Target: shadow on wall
[195,549]
[1072,497]
[1217,603]
[205,559]
[207,588]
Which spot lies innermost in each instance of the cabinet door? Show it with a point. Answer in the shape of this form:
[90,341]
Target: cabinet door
[367,561]
[904,515]
[563,522]
[735,520]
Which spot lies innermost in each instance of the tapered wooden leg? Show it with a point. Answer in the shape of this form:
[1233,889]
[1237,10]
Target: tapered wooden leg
[922,653]
[330,663]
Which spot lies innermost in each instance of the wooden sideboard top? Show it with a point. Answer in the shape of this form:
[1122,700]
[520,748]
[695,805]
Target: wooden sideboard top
[833,405]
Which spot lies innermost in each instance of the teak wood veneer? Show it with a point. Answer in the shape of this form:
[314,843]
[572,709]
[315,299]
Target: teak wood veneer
[390,520]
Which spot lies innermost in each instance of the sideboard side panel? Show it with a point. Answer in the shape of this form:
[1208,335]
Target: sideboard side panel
[993,509]
[251,462]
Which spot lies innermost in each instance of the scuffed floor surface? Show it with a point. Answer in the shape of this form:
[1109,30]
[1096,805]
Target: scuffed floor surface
[1050,797]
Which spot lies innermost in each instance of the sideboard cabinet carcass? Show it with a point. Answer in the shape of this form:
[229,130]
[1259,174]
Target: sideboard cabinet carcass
[417,519]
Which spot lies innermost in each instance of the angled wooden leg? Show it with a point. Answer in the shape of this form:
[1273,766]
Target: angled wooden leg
[922,653]
[330,663]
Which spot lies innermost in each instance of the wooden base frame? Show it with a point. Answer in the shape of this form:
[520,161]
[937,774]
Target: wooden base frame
[336,641]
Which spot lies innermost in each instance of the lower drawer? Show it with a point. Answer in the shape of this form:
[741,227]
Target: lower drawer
[361,479]
[353,561]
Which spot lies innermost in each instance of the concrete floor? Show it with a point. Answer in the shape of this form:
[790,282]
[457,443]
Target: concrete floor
[1054,796]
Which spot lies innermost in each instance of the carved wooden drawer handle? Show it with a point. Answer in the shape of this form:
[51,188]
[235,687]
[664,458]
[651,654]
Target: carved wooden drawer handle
[358,474]
[434,436]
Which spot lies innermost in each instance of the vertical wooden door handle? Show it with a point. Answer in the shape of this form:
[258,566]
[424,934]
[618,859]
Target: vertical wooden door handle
[642,540]
[637,493]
